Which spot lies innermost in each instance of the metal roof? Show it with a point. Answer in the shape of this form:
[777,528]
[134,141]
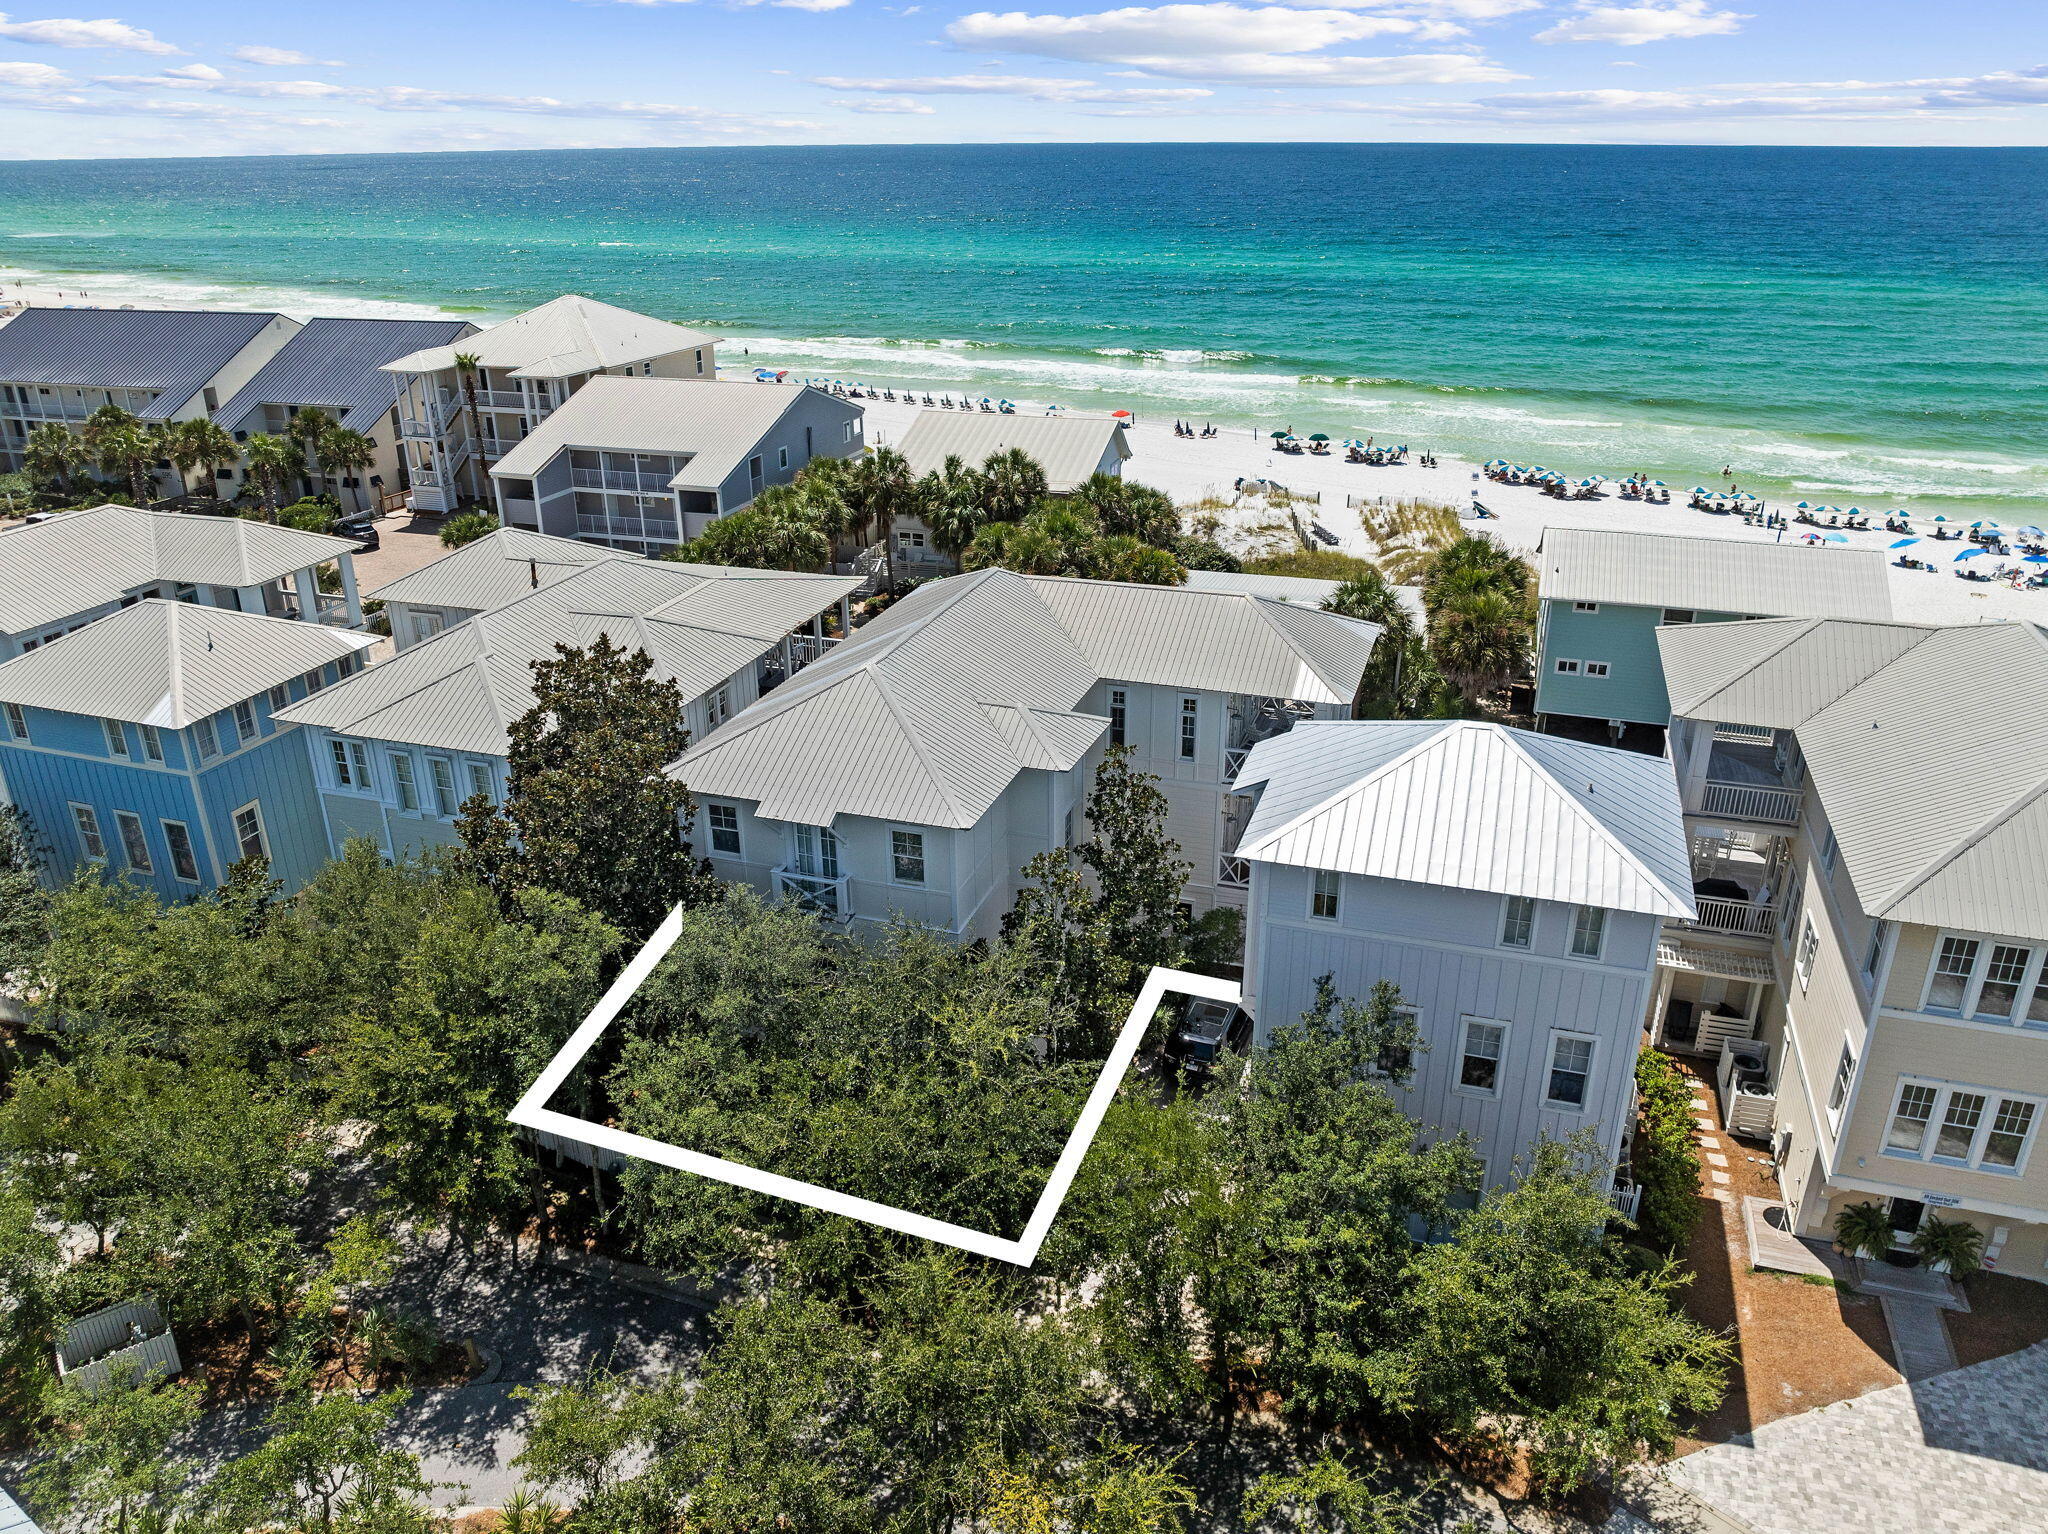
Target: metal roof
[460,690]
[560,338]
[172,353]
[1472,806]
[71,563]
[338,364]
[1297,589]
[930,711]
[500,567]
[717,425]
[1722,575]
[170,663]
[1068,447]
[1775,673]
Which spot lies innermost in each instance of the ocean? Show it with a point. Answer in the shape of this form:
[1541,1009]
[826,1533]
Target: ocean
[1842,325]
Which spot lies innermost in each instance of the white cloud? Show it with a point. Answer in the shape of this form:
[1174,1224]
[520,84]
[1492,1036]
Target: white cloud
[194,72]
[220,85]
[70,32]
[1036,87]
[1338,70]
[1169,31]
[35,77]
[889,106]
[1630,26]
[1657,106]
[407,98]
[280,58]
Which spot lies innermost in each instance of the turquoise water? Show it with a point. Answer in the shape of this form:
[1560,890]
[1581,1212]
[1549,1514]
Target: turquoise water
[1863,325]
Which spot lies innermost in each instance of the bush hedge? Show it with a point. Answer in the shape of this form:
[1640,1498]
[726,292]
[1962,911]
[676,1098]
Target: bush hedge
[1662,1159]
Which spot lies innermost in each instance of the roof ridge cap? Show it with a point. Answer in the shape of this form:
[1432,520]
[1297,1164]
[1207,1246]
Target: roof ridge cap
[1968,843]
[917,746]
[1441,732]
[1579,806]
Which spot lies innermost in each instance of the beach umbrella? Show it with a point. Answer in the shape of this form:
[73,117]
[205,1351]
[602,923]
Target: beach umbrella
[1317,436]
[1125,415]
[1904,543]
[2031,531]
[1702,490]
[2035,559]
[1968,554]
[1357,442]
[1941,519]
[1278,436]
[1855,511]
[1657,484]
[1836,538]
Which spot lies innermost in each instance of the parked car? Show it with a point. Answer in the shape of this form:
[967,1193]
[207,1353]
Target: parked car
[1207,1030]
[361,526]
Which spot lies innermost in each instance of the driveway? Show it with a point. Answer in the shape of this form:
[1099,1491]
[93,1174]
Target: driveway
[405,542]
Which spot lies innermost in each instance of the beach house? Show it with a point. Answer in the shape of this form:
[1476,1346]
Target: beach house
[59,575]
[396,749]
[480,577]
[337,367]
[1512,885]
[1604,594]
[643,464]
[923,763]
[1868,808]
[1069,448]
[148,743]
[60,365]
[526,368]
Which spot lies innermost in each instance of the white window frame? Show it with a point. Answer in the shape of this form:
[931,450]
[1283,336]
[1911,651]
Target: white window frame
[85,820]
[116,738]
[124,822]
[152,742]
[1944,1093]
[1830,850]
[191,851]
[1119,716]
[1873,957]
[1190,726]
[718,706]
[1597,668]
[208,738]
[1565,666]
[17,722]
[1571,946]
[2033,980]
[1558,1037]
[405,783]
[351,761]
[1585,607]
[1681,615]
[253,808]
[1807,951]
[1325,886]
[245,722]
[1500,1058]
[1843,1086]
[817,852]
[782,458]
[901,838]
[711,822]
[1378,1067]
[482,780]
[1517,911]
[441,779]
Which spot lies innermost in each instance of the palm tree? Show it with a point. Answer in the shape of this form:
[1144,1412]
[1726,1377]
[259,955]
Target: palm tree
[130,448]
[1011,484]
[949,509]
[306,427]
[52,452]
[1130,510]
[1389,689]
[347,453]
[106,421]
[467,365]
[201,443]
[879,490]
[1471,565]
[1480,642]
[272,463]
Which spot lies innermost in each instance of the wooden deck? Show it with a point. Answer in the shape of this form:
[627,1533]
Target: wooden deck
[1773,1246]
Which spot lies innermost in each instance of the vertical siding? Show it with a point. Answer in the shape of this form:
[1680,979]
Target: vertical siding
[45,783]
[277,774]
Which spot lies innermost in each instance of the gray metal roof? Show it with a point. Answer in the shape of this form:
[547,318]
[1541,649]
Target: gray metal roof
[173,353]
[1723,575]
[500,567]
[1472,806]
[560,338]
[1775,673]
[338,364]
[1297,589]
[930,711]
[1068,447]
[170,663]
[462,689]
[718,425]
[71,563]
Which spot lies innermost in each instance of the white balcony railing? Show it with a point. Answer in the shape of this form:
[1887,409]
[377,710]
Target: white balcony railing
[1749,734]
[1743,801]
[1233,873]
[1735,918]
[814,892]
[1233,762]
[620,479]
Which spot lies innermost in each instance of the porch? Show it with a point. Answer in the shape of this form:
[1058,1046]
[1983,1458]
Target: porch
[1706,996]
[1739,772]
[1736,877]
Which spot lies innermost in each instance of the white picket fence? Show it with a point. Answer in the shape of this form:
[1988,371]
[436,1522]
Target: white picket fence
[126,1336]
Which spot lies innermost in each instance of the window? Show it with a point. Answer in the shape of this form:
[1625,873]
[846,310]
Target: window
[1567,667]
[1119,714]
[17,722]
[209,745]
[1480,1057]
[725,829]
[1190,719]
[1325,894]
[245,722]
[1830,850]
[178,837]
[249,839]
[906,856]
[1589,931]
[1398,1060]
[1517,921]
[1998,996]
[441,774]
[1678,615]
[1571,1069]
[134,845]
[1585,607]
[782,458]
[1596,668]
[1976,1127]
[1874,955]
[817,852]
[480,781]
[117,738]
[1953,967]
[351,765]
[152,742]
[1845,1076]
[754,470]
[402,781]
[1809,948]
[718,705]
[1795,900]
[280,695]
[90,842]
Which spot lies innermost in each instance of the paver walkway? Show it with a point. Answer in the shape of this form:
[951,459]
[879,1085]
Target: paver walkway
[1967,1450]
[1920,1341]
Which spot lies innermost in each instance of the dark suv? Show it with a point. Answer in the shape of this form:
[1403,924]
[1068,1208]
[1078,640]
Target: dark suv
[1206,1031]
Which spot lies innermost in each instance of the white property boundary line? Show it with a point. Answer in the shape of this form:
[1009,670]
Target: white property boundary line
[532,1113]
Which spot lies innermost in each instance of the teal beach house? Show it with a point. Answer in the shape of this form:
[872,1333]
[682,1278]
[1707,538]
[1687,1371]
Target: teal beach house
[146,744]
[1604,594]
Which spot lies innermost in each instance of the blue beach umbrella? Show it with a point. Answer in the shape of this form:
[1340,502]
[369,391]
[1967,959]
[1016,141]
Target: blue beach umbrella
[1905,543]
[1836,538]
[1992,525]
[1941,519]
[1855,511]
[1802,506]
[1356,442]
[1699,490]
[1657,484]
[2031,531]
[2035,559]
[1969,554]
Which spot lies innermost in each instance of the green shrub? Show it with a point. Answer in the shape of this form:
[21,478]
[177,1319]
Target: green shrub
[1864,1230]
[307,516]
[1313,564]
[1662,1159]
[466,528]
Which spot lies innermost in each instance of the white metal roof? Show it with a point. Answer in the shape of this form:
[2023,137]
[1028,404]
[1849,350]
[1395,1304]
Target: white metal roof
[716,425]
[1068,447]
[500,567]
[560,338]
[1297,589]
[1775,673]
[170,663]
[1472,806]
[77,561]
[1723,575]
[462,689]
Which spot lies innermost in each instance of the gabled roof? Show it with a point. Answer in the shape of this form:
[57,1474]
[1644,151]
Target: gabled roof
[931,710]
[338,364]
[1068,447]
[170,663]
[1722,575]
[1298,589]
[715,425]
[1473,806]
[173,353]
[1775,673]
[562,337]
[500,567]
[62,567]
[462,689]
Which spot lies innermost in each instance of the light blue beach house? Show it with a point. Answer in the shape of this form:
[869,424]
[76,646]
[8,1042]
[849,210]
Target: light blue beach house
[147,743]
[1605,593]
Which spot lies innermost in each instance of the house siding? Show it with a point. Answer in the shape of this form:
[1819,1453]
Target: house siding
[1625,638]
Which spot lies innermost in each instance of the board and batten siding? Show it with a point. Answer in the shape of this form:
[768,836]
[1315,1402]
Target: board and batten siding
[44,784]
[276,775]
[1626,639]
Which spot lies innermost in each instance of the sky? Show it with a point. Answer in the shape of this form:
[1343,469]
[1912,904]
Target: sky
[213,77]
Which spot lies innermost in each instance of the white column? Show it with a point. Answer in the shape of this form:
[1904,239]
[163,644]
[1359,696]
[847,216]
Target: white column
[249,598]
[348,590]
[845,618]
[309,594]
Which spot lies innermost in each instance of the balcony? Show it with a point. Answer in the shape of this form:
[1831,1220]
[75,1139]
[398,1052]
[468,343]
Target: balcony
[1752,774]
[620,479]
[1731,918]
[814,892]
[1233,873]
[650,530]
[1736,875]
[1746,801]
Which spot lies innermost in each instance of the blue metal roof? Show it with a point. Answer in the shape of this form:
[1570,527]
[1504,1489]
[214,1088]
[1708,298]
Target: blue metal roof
[338,364]
[173,353]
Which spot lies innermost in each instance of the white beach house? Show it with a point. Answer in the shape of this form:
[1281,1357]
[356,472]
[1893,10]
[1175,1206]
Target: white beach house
[527,367]
[480,577]
[1512,885]
[920,765]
